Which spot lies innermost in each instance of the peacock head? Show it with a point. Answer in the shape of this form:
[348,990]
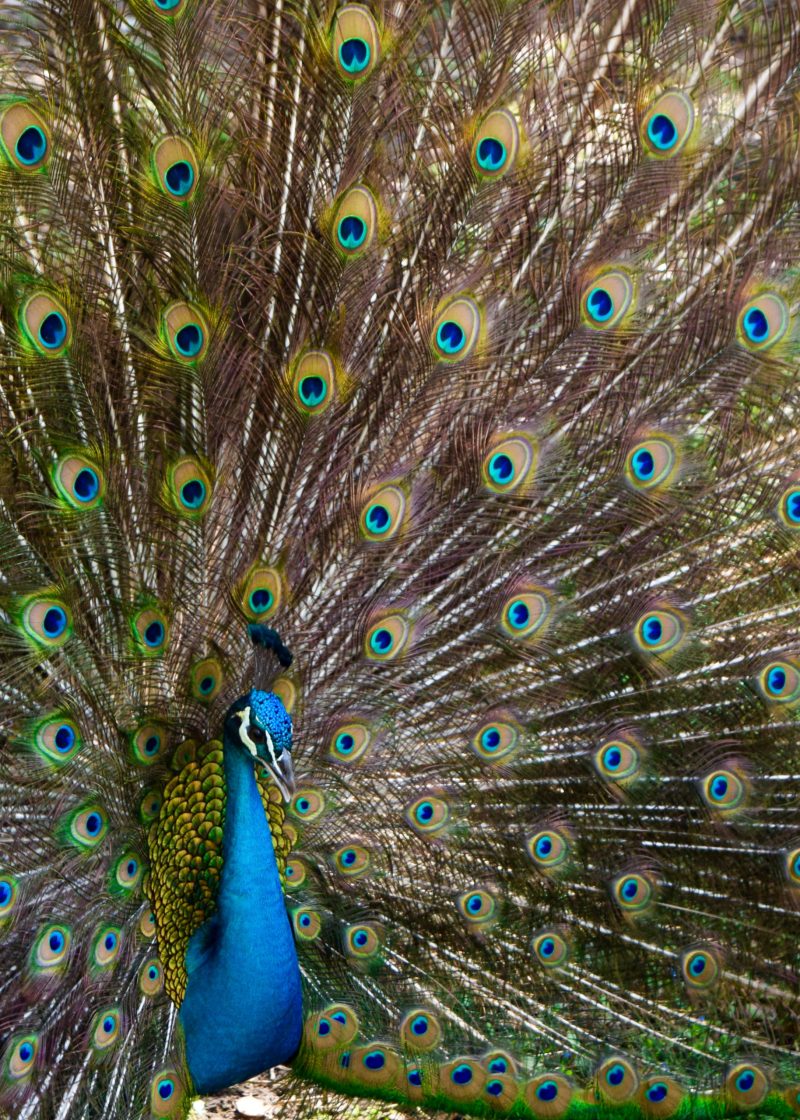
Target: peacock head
[260,725]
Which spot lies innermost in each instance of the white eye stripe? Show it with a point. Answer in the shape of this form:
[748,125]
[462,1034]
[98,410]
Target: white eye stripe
[244,718]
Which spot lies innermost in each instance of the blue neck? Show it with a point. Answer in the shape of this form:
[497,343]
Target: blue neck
[242,1012]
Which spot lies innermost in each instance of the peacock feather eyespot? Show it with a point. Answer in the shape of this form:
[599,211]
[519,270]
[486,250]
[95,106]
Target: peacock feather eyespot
[634,893]
[45,324]
[206,679]
[789,507]
[106,946]
[150,806]
[307,805]
[462,1080]
[374,1065]
[9,891]
[105,1029]
[762,322]
[355,42]
[662,631]
[150,631]
[188,488]
[616,1079]
[175,168]
[78,481]
[51,948]
[46,620]
[167,1095]
[296,874]
[701,967]
[261,594]
[668,125]
[388,638]
[619,759]
[660,1096]
[746,1085]
[497,740]
[149,744]
[350,742]
[478,907]
[186,332]
[428,816]
[724,791]
[126,874]
[313,381]
[355,221]
[151,977]
[496,145]
[652,464]
[57,738]
[510,464]
[24,137]
[791,867]
[307,923]
[86,826]
[169,9]
[147,924]
[549,1095]
[779,682]
[20,1057]
[352,861]
[363,941]
[550,948]
[383,514]
[333,1028]
[456,329]
[288,692]
[607,300]
[420,1030]
[549,849]
[526,615]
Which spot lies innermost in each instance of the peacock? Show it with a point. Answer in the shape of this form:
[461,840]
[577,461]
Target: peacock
[400,556]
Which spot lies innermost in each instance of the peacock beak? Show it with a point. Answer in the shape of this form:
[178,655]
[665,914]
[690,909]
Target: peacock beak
[282,772]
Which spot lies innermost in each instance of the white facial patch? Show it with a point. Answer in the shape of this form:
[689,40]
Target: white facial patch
[244,723]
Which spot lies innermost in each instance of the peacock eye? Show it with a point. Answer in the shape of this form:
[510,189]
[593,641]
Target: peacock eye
[356,43]
[256,734]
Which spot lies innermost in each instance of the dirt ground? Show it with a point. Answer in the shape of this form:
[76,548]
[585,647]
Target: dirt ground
[248,1097]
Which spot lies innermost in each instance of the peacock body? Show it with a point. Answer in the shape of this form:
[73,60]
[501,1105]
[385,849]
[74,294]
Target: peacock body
[456,343]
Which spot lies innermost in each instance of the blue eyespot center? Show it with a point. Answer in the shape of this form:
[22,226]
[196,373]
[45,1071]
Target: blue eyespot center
[261,600]
[462,1074]
[207,685]
[697,965]
[345,742]
[547,1091]
[657,1092]
[600,305]
[189,340]
[152,743]
[361,938]
[544,846]
[776,680]
[616,1075]
[53,330]
[547,947]
[26,1051]
[354,55]
[420,1025]
[661,132]
[313,390]
[652,630]
[55,622]
[501,468]
[491,154]
[348,857]
[31,146]
[474,903]
[629,889]
[415,1077]
[519,614]
[376,1059]
[154,634]
[745,1081]
[490,739]
[64,738]
[498,1065]
[152,972]
[94,822]
[424,812]
[5,891]
[179,178]
[612,758]
[323,1028]
[756,325]
[352,231]
[193,493]
[132,867]
[110,941]
[719,787]
[108,1024]
[381,641]
[86,485]
[166,1087]
[450,337]
[56,941]
[792,504]
[305,920]
[378,519]
[643,464]
[494,1088]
